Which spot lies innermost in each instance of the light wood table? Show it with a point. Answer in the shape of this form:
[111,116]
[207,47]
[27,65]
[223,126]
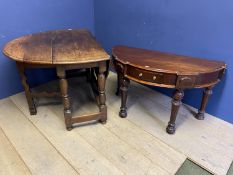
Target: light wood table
[64,50]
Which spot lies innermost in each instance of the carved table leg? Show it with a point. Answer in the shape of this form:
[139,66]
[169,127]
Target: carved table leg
[65,97]
[31,104]
[124,90]
[119,81]
[201,111]
[102,96]
[176,102]
[120,75]
[118,84]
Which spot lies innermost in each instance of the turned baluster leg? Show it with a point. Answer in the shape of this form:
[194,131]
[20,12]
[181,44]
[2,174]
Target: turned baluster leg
[31,104]
[118,84]
[120,71]
[102,96]
[176,102]
[201,112]
[65,97]
[124,90]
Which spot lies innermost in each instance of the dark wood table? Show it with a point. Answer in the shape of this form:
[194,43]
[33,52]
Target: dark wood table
[64,50]
[165,70]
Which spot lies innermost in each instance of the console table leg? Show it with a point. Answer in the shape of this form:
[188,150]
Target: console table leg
[201,112]
[120,75]
[176,102]
[124,90]
[102,96]
[65,97]
[31,104]
[118,84]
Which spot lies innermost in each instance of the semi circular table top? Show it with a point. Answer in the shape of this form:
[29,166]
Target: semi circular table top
[166,69]
[56,47]
[165,62]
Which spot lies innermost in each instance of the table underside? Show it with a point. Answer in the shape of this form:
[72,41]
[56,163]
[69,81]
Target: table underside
[96,73]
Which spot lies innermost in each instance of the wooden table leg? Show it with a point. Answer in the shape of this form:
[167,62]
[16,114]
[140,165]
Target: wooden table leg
[119,81]
[31,104]
[102,97]
[201,112]
[120,71]
[118,84]
[124,90]
[65,97]
[176,102]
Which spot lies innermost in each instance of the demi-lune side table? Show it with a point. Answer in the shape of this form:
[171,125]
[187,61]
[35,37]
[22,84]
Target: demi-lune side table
[64,50]
[165,70]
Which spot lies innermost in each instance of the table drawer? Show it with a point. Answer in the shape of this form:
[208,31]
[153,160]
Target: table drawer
[144,75]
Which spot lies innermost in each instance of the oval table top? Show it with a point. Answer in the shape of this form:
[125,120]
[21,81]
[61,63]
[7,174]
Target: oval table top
[165,62]
[56,47]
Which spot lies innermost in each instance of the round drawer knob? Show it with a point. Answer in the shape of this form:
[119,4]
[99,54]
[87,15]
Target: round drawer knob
[140,75]
[154,77]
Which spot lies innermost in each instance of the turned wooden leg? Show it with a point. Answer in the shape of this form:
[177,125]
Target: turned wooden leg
[176,102]
[124,90]
[65,97]
[120,75]
[118,84]
[31,104]
[201,112]
[102,96]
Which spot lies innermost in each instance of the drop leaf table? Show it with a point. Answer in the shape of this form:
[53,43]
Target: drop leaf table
[64,50]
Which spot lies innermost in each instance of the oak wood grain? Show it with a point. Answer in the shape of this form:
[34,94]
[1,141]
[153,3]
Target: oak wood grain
[56,47]
[64,50]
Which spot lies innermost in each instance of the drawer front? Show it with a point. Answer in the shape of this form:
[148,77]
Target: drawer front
[150,76]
